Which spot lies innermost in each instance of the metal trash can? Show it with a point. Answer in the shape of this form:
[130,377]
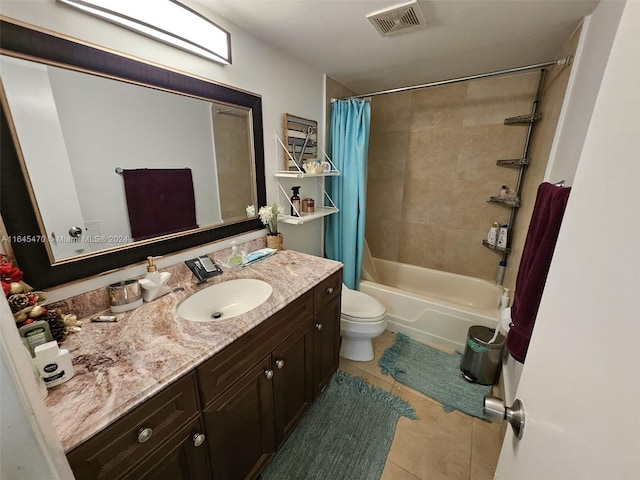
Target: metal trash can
[482,360]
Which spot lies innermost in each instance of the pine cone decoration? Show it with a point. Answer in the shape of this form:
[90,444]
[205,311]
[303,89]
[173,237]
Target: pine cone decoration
[56,325]
[18,301]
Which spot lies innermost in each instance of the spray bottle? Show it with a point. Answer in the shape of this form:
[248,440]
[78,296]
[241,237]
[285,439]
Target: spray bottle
[295,202]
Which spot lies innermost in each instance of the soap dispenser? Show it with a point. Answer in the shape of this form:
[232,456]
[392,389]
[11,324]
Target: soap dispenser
[154,284]
[235,260]
[504,299]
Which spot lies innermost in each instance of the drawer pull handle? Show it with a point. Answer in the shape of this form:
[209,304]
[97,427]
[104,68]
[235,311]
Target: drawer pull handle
[318,326]
[198,439]
[144,434]
[280,364]
[329,290]
[268,374]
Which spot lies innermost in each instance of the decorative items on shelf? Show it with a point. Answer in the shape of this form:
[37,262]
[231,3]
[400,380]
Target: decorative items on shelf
[308,205]
[269,217]
[27,304]
[316,167]
[301,142]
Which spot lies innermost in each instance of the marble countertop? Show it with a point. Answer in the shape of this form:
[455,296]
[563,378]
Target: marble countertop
[120,365]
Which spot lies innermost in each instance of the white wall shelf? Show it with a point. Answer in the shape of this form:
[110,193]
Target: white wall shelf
[307,217]
[320,211]
[282,174]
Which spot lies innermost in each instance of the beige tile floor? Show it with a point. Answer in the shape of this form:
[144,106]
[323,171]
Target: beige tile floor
[438,445]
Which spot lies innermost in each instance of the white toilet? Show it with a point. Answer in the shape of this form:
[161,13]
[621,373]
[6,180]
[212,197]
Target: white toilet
[362,319]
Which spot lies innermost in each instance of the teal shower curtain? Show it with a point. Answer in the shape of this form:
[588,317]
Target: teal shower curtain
[349,144]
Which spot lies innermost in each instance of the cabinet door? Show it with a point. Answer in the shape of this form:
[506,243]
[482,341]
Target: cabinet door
[138,435]
[292,380]
[326,344]
[181,457]
[239,425]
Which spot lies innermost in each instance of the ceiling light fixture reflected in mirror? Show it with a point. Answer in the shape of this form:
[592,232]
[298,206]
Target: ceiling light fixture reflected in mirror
[166,20]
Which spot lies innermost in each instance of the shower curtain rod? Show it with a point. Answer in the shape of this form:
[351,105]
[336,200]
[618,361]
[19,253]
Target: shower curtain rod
[563,61]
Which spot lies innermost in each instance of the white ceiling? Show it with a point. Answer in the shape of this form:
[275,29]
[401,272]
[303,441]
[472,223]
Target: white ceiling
[463,37]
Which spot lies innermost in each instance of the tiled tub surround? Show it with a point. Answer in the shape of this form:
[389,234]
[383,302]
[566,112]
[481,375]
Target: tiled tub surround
[120,365]
[432,168]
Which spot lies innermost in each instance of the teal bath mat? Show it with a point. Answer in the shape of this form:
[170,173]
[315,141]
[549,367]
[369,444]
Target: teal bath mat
[435,374]
[345,435]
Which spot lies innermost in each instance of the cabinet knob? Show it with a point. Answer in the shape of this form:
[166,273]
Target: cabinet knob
[268,374]
[329,290]
[280,364]
[318,326]
[198,439]
[144,434]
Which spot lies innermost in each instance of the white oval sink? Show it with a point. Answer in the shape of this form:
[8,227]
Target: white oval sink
[225,300]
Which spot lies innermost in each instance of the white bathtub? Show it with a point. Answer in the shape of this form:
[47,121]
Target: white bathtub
[434,307]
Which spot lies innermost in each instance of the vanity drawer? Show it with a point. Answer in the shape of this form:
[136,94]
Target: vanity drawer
[230,364]
[125,443]
[327,290]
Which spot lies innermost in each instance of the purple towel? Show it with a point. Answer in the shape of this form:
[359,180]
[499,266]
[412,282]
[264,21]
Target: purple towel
[534,265]
[159,201]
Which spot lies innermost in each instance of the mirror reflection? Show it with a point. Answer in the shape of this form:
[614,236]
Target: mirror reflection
[111,163]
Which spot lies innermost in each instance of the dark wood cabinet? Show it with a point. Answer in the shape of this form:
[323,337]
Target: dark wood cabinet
[227,418]
[327,344]
[239,425]
[145,432]
[182,457]
[292,380]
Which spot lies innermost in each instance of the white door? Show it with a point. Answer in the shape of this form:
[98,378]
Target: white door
[580,385]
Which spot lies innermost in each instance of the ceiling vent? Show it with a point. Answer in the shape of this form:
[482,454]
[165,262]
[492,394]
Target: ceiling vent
[403,18]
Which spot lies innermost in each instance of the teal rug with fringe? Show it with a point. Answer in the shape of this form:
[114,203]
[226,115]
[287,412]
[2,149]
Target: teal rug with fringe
[345,435]
[434,373]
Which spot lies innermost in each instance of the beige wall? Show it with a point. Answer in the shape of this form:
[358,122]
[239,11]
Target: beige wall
[432,167]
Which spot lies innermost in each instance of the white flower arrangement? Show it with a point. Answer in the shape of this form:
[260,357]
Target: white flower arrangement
[269,216]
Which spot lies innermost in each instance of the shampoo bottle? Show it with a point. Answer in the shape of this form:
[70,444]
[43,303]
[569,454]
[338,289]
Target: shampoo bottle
[492,236]
[502,237]
[154,284]
[54,364]
[295,202]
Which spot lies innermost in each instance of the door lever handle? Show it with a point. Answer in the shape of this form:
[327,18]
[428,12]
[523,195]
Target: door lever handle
[495,411]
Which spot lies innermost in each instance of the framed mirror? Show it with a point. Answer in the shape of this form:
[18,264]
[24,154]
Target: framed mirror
[113,159]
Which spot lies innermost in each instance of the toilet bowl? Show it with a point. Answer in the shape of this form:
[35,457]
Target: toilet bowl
[361,320]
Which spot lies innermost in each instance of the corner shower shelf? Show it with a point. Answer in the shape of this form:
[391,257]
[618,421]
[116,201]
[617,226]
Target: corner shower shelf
[523,119]
[495,247]
[505,202]
[514,162]
[519,163]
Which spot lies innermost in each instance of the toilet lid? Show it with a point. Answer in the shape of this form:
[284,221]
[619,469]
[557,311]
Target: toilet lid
[360,305]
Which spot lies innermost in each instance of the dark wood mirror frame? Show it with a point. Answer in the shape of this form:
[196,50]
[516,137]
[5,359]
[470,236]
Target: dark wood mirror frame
[18,213]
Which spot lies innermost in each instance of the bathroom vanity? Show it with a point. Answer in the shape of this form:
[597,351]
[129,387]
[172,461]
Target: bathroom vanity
[157,396]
